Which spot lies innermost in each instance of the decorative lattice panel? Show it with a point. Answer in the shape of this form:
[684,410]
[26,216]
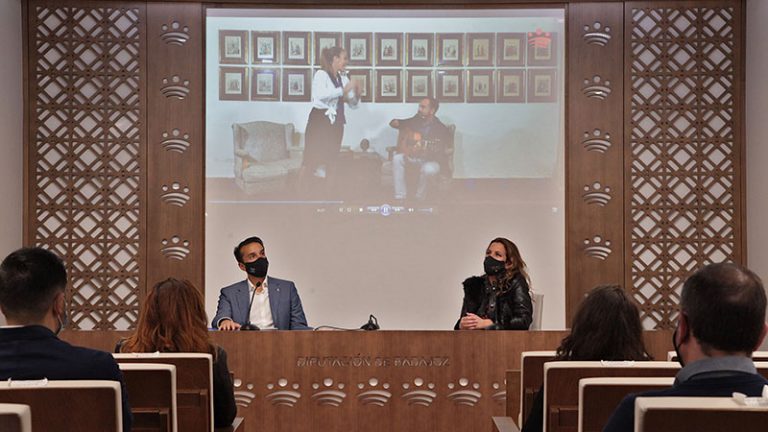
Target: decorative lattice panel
[683,182]
[84,150]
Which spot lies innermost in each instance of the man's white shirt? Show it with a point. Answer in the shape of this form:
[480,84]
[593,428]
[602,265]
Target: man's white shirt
[261,312]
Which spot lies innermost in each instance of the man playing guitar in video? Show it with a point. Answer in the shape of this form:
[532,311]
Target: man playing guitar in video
[421,144]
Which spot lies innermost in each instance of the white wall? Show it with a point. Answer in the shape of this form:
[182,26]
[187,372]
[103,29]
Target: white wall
[11,106]
[757,138]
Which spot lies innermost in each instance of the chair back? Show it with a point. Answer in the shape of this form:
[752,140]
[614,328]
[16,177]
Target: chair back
[194,386]
[757,356]
[152,392]
[68,406]
[538,310]
[689,414]
[531,379]
[599,397]
[561,385]
[15,418]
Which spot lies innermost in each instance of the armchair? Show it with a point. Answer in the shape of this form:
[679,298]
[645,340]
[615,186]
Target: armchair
[266,155]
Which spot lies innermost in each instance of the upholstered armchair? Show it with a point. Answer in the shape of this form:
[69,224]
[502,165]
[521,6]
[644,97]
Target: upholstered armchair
[266,155]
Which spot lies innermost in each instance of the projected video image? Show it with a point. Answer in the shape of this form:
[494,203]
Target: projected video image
[407,106]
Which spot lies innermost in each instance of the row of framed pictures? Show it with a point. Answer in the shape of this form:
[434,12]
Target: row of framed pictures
[482,49]
[472,86]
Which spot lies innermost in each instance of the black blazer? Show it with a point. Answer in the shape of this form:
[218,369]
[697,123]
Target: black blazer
[224,408]
[34,352]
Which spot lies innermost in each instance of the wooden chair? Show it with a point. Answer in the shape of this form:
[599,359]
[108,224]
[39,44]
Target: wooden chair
[503,424]
[757,356]
[15,418]
[694,414]
[529,379]
[561,385]
[194,386]
[68,406]
[599,397]
[152,392]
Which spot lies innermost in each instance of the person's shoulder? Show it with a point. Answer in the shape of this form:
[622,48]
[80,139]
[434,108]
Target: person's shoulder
[322,74]
[473,284]
[234,286]
[99,363]
[281,282]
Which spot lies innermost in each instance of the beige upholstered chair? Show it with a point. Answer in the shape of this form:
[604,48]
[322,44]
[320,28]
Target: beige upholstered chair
[266,154]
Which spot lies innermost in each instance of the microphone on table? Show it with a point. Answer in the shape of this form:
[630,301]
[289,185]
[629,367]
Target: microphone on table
[248,325]
[372,324]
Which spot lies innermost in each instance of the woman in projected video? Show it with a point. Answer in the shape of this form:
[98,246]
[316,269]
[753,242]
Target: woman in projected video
[330,90]
[500,299]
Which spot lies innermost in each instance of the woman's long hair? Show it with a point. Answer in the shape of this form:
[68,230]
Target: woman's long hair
[606,327]
[172,319]
[326,58]
[513,256]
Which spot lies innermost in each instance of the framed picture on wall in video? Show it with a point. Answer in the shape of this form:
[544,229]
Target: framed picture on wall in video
[420,49]
[265,84]
[233,46]
[296,48]
[419,85]
[542,85]
[389,49]
[480,86]
[510,49]
[358,46]
[450,49]
[511,86]
[233,83]
[363,76]
[542,48]
[325,40]
[480,50]
[296,85]
[450,85]
[389,87]
[266,47]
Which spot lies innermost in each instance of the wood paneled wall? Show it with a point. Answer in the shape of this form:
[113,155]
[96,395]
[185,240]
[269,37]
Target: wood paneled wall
[115,157]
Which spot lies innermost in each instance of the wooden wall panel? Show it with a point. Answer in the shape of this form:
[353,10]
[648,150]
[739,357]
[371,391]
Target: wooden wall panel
[175,171]
[594,196]
[684,144]
[84,149]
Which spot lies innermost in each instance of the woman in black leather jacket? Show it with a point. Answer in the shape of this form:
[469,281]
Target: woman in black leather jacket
[500,299]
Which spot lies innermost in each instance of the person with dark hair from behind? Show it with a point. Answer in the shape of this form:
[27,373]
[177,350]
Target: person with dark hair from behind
[721,322]
[172,320]
[32,284]
[421,143]
[264,301]
[606,327]
[500,299]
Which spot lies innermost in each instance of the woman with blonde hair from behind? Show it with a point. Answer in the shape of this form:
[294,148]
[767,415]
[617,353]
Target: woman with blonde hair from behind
[173,319]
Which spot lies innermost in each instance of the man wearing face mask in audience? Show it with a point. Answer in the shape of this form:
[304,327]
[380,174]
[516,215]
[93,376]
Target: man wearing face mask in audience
[721,322]
[500,299]
[274,303]
[32,284]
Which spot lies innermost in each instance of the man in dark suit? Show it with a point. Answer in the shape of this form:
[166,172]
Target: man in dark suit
[32,282]
[721,322]
[275,302]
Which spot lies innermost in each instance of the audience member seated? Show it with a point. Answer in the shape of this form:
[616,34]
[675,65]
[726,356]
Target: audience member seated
[721,322]
[606,327]
[32,283]
[173,319]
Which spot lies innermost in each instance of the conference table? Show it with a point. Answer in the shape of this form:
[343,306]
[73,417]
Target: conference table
[372,381]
